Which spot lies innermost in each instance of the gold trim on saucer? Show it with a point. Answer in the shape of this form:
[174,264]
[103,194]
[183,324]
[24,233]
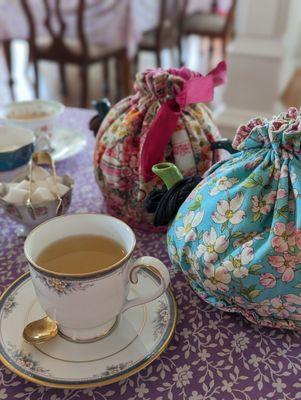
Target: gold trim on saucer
[95,339]
[104,382]
[101,358]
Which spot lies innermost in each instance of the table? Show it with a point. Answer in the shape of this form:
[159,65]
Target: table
[213,355]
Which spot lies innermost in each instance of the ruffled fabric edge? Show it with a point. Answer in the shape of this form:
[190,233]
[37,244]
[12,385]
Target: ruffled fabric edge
[283,130]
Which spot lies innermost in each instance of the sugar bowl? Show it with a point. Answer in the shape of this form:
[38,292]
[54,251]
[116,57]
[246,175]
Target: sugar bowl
[40,196]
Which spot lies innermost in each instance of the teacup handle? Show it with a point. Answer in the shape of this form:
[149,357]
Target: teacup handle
[155,266]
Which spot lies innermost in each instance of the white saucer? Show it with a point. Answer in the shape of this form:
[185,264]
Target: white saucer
[66,143]
[140,336]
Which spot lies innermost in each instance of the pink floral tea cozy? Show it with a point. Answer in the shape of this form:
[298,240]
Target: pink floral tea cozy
[164,120]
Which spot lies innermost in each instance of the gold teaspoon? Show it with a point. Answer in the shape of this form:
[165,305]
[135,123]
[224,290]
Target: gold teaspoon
[40,331]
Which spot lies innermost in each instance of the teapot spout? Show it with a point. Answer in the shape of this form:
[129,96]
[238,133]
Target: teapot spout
[168,172]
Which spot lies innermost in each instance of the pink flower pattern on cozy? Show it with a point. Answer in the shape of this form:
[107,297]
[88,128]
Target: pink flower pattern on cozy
[285,236]
[276,306]
[295,301]
[285,265]
[263,205]
[281,193]
[253,164]
[267,280]
[298,239]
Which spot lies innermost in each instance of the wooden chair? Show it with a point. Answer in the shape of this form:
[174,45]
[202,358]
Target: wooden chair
[212,25]
[7,52]
[166,35]
[57,47]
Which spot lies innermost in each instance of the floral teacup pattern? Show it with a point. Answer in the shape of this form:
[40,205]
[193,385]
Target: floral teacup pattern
[63,287]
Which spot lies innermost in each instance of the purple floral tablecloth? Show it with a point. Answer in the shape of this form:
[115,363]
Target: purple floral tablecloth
[213,355]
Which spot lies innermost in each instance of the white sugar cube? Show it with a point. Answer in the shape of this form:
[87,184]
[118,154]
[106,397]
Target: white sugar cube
[63,189]
[3,188]
[23,185]
[41,194]
[39,174]
[16,196]
[43,184]
[50,185]
[59,179]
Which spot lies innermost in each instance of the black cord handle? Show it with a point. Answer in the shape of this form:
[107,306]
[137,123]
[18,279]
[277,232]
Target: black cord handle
[164,204]
[223,144]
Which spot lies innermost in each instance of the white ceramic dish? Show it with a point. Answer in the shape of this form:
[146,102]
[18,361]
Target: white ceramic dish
[66,143]
[62,142]
[44,115]
[139,337]
[29,218]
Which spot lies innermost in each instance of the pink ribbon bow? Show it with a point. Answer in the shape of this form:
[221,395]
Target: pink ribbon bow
[196,90]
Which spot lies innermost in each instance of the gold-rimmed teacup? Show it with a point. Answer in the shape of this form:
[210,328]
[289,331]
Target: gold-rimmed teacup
[87,305]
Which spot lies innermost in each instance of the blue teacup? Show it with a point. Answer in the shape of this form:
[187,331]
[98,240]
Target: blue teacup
[16,148]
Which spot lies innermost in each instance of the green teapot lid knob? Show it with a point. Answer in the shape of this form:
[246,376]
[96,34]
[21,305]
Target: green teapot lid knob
[168,172]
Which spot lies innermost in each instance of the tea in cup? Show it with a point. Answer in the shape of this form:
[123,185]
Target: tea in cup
[81,267]
[38,115]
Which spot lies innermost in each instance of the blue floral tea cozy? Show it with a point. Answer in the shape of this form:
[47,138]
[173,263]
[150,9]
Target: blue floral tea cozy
[237,236]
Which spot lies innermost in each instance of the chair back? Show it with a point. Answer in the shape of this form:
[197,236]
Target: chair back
[55,25]
[171,15]
[228,28]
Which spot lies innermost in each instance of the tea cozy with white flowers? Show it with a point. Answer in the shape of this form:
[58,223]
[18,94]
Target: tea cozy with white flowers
[237,236]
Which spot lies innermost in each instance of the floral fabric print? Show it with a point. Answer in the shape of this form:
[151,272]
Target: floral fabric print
[241,247]
[117,156]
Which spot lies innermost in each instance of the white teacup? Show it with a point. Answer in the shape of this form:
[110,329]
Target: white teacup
[86,306]
[16,147]
[38,115]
